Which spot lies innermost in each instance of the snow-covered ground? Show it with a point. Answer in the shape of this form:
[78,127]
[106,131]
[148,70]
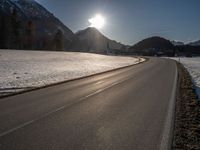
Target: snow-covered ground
[193,66]
[21,70]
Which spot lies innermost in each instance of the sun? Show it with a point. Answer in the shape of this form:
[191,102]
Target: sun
[98,21]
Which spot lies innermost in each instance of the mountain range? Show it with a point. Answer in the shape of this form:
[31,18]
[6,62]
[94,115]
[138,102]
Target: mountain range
[42,30]
[177,43]
[195,43]
[25,24]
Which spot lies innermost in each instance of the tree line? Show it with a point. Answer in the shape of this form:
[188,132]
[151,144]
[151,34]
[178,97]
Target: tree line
[16,33]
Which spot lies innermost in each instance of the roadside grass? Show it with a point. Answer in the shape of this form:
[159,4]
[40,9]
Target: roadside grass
[187,114]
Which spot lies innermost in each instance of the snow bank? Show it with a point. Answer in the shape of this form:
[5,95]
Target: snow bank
[21,70]
[193,66]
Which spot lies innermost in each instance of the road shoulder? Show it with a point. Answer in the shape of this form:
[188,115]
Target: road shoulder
[187,114]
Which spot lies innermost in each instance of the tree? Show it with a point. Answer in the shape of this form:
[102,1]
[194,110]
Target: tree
[15,30]
[30,35]
[3,32]
[58,40]
[108,47]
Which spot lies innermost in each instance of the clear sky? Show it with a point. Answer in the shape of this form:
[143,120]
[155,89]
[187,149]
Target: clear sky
[129,21]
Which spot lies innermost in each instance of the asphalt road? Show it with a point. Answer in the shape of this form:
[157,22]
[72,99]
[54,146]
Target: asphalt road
[127,109]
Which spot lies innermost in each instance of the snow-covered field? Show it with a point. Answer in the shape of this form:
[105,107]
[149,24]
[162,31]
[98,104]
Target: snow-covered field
[193,66]
[21,70]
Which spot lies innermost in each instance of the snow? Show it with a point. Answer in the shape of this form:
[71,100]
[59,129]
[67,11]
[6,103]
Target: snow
[193,66]
[195,43]
[22,70]
[30,8]
[17,4]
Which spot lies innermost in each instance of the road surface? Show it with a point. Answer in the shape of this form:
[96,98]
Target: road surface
[126,109]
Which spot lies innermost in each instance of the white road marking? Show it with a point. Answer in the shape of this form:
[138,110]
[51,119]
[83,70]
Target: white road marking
[16,128]
[99,82]
[167,134]
[30,122]
[59,109]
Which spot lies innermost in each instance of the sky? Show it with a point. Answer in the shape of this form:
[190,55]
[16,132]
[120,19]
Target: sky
[129,21]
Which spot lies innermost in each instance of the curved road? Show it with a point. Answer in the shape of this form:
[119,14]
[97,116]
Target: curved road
[127,109]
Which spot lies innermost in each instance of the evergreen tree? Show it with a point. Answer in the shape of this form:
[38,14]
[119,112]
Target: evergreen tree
[58,40]
[2,32]
[108,47]
[5,31]
[15,30]
[30,35]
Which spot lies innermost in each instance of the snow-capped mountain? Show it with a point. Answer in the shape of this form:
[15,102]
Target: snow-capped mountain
[45,23]
[177,43]
[26,8]
[196,43]
[92,40]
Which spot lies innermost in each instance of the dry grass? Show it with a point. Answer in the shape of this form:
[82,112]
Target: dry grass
[187,117]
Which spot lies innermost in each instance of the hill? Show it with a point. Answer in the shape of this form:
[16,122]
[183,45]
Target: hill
[153,46]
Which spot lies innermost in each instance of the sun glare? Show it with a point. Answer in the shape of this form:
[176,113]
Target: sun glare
[97,21]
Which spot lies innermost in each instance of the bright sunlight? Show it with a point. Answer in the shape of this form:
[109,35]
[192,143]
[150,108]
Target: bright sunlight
[98,21]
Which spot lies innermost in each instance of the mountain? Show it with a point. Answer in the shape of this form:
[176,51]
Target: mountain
[153,46]
[196,43]
[91,40]
[35,20]
[177,43]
